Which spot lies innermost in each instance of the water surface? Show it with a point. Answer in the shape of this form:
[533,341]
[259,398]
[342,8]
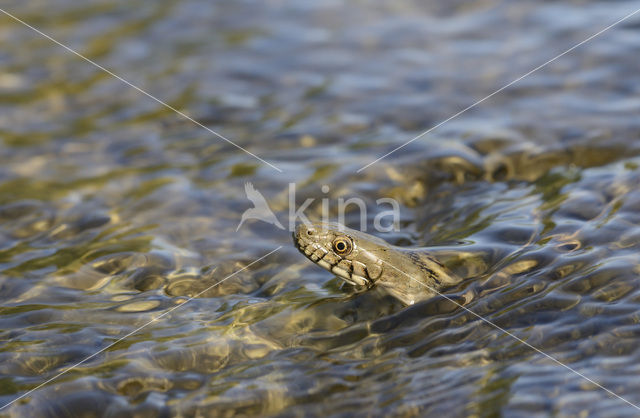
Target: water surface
[114,209]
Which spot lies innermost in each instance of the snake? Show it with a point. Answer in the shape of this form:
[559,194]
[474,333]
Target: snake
[368,261]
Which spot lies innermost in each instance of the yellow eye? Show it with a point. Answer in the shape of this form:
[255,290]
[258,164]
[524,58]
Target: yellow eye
[342,246]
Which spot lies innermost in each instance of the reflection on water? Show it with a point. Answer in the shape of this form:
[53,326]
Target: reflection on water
[114,210]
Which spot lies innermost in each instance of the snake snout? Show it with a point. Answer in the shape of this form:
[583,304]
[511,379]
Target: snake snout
[304,232]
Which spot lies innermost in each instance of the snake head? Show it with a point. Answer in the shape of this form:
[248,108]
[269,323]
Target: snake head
[341,250]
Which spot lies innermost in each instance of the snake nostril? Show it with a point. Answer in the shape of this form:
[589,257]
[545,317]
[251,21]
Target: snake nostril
[310,231]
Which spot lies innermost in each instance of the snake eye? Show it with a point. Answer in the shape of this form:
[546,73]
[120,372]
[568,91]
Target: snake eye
[342,246]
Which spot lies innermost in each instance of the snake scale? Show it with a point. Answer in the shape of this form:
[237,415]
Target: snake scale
[365,260]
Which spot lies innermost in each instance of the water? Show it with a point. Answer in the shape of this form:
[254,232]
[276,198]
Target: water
[115,209]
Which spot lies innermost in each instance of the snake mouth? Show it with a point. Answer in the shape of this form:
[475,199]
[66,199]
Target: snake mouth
[318,254]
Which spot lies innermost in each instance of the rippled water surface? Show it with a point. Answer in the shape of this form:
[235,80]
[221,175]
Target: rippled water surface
[114,210]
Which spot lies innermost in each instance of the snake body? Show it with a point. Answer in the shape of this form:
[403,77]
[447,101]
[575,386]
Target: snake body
[365,260]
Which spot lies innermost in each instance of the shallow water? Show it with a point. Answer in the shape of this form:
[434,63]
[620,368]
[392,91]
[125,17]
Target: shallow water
[115,210]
